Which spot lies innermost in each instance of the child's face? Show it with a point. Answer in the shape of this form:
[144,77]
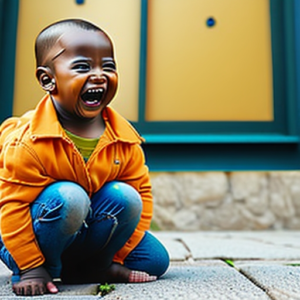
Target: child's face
[84,72]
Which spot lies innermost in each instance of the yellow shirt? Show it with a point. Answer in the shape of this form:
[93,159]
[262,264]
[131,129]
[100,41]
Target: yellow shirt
[85,146]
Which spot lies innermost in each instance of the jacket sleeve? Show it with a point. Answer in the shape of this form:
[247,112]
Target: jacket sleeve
[21,181]
[135,173]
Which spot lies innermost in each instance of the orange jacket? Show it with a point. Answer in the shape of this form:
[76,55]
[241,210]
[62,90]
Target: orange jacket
[35,152]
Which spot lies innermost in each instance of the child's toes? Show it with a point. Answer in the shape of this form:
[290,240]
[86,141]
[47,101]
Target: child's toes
[138,276]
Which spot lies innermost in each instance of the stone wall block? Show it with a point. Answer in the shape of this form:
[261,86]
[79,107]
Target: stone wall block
[293,223]
[208,220]
[293,179]
[186,219]
[227,216]
[254,222]
[163,217]
[289,178]
[282,206]
[226,201]
[245,184]
[204,187]
[281,202]
[258,204]
[167,190]
[295,195]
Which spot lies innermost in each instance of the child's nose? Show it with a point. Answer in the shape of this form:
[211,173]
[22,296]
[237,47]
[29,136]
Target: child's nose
[97,77]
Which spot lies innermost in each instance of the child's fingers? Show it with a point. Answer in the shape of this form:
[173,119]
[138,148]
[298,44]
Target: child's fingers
[138,276]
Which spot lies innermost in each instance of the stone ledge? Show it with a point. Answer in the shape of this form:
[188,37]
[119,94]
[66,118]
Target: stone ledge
[226,201]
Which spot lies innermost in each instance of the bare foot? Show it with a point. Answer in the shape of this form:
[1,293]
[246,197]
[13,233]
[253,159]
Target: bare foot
[115,273]
[138,276]
[118,273]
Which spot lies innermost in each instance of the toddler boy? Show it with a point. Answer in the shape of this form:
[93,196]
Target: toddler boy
[75,198]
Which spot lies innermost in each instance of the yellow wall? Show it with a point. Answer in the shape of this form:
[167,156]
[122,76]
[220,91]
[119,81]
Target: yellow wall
[221,73]
[121,19]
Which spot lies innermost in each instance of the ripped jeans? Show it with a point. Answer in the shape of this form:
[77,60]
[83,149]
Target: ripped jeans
[76,233]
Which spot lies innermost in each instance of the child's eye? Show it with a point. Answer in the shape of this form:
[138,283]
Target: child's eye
[108,65]
[82,67]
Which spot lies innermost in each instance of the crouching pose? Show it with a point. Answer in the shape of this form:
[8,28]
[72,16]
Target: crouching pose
[75,193]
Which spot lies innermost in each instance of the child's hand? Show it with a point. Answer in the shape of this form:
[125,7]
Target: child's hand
[34,282]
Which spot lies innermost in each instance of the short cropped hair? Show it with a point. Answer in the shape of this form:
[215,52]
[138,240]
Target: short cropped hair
[49,35]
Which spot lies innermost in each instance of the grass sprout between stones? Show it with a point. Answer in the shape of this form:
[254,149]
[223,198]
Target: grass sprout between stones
[106,288]
[229,262]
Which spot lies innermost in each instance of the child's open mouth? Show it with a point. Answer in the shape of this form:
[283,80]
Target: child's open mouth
[92,97]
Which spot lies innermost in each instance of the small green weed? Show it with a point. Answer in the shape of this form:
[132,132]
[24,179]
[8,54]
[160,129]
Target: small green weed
[293,265]
[229,262]
[106,288]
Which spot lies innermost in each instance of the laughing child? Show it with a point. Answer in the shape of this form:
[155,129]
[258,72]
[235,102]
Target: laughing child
[75,197]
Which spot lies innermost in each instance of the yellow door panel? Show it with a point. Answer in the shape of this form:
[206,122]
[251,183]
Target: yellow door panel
[201,73]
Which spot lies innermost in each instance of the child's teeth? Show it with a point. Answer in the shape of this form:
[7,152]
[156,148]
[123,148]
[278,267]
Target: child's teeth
[95,91]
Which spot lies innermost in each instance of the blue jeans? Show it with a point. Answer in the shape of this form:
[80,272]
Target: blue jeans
[76,233]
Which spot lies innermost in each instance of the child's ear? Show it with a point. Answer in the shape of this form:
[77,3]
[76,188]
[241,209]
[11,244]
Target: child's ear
[45,79]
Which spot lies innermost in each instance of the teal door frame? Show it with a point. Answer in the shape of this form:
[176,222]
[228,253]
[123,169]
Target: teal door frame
[284,126]
[227,146]
[9,10]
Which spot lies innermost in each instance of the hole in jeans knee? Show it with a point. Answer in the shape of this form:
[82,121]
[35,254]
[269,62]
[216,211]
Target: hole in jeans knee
[107,216]
[106,224]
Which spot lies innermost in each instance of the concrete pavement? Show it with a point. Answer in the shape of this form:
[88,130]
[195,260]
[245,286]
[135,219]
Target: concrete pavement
[208,265]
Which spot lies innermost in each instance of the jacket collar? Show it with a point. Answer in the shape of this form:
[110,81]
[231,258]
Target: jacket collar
[45,124]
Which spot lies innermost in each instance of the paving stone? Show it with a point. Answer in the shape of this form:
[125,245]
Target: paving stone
[238,264]
[177,251]
[236,248]
[202,263]
[279,281]
[193,282]
[283,238]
